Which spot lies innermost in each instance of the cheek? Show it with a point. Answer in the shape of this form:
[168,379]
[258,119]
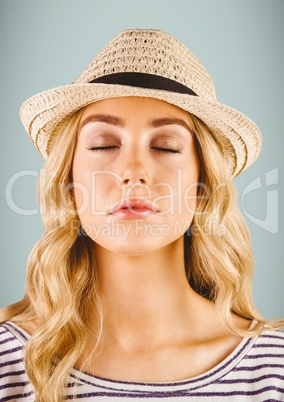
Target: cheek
[190,196]
[95,190]
[190,180]
[82,184]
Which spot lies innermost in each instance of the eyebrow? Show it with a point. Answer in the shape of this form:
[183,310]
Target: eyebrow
[168,121]
[103,118]
[117,121]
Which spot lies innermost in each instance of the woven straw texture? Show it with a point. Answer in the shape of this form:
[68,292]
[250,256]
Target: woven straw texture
[152,52]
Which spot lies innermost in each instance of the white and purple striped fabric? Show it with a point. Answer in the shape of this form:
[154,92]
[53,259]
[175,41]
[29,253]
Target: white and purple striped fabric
[253,372]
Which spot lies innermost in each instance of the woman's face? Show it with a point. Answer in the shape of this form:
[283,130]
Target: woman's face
[135,174]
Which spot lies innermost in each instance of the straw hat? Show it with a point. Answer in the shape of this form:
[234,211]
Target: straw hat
[148,63]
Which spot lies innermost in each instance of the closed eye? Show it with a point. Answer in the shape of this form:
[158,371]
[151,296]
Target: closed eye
[105,148]
[170,150]
[111,147]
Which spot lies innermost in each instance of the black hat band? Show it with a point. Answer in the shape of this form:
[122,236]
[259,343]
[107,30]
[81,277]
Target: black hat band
[144,80]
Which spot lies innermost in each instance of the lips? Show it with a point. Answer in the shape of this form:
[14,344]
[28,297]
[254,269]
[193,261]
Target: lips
[135,208]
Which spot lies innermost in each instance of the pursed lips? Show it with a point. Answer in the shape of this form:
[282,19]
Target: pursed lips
[133,208]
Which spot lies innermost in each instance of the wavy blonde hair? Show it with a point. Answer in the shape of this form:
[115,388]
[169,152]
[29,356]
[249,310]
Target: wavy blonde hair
[61,276]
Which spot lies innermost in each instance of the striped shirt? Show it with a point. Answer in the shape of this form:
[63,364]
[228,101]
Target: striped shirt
[253,372]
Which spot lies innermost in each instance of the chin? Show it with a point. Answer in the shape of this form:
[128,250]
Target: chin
[133,246]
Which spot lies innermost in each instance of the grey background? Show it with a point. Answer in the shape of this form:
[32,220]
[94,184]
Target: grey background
[46,44]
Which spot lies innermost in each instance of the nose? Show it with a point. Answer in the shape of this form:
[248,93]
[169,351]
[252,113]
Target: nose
[135,170]
[127,181]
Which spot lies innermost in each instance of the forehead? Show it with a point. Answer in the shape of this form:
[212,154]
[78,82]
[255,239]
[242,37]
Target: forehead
[135,106]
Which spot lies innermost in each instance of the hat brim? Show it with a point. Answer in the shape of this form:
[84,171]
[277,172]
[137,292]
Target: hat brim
[42,112]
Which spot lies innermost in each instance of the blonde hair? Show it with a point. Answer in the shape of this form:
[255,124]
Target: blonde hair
[61,277]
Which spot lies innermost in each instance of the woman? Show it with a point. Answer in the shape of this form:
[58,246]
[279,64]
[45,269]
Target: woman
[141,285]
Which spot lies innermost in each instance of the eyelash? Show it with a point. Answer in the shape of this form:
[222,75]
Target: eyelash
[110,147]
[107,148]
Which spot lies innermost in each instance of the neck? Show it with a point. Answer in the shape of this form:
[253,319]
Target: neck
[145,294]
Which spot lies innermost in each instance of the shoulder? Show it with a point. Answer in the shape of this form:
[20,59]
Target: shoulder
[268,349]
[255,371]
[12,343]
[264,361]
[270,341]
[11,340]
[14,384]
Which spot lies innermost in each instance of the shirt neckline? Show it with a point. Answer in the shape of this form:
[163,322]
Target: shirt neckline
[190,384]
